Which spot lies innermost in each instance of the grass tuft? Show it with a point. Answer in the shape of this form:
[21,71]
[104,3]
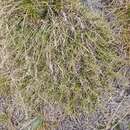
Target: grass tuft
[59,52]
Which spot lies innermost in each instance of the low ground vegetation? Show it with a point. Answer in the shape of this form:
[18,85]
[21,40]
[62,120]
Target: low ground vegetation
[59,53]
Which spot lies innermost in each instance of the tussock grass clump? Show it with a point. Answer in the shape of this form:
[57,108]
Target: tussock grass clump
[58,52]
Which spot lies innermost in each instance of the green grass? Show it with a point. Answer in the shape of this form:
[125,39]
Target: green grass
[122,14]
[3,118]
[65,57]
[59,53]
[4,86]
